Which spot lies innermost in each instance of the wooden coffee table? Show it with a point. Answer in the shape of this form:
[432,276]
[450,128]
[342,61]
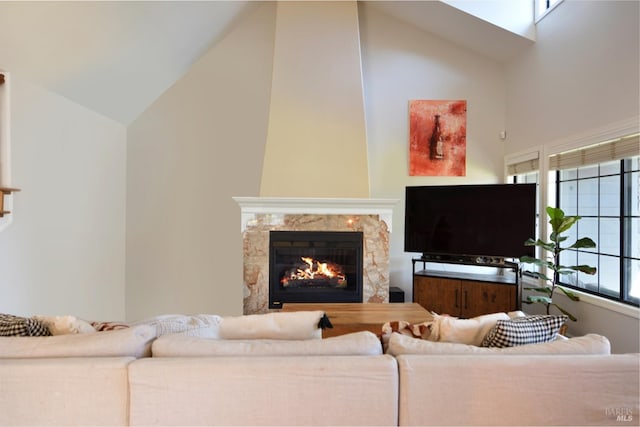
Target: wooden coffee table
[354,317]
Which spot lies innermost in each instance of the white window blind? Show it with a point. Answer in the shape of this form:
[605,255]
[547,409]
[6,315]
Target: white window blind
[523,164]
[616,149]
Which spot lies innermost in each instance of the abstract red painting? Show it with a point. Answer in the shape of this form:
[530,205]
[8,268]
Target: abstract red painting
[437,138]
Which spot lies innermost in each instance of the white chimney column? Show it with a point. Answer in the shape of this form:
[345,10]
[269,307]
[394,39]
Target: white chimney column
[317,104]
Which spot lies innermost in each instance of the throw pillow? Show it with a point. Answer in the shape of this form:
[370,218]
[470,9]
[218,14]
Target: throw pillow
[298,325]
[198,325]
[524,330]
[16,326]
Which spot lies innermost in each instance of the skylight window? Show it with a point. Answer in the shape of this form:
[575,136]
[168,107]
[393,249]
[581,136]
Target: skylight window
[543,7]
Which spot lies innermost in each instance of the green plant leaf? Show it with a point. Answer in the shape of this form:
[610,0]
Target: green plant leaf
[556,216]
[559,222]
[540,243]
[555,213]
[541,289]
[569,294]
[569,315]
[544,277]
[557,238]
[566,223]
[586,269]
[530,260]
[571,269]
[539,299]
[585,242]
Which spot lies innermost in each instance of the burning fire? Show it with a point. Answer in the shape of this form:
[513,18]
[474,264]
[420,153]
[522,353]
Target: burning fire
[314,271]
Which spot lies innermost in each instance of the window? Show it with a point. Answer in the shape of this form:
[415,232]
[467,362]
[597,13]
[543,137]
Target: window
[524,170]
[543,7]
[600,184]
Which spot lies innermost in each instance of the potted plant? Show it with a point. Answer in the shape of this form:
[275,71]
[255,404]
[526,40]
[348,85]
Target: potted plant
[560,223]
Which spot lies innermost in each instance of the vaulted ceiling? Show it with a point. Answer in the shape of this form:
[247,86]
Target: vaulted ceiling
[117,57]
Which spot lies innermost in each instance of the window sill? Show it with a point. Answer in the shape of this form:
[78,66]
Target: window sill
[624,309]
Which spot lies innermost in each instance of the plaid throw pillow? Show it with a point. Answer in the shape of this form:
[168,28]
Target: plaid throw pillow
[524,330]
[15,326]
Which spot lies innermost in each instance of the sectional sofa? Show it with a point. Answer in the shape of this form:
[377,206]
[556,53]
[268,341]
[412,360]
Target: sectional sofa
[138,377]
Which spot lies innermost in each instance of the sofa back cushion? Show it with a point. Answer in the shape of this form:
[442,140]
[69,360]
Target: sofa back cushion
[511,390]
[357,343]
[134,342]
[264,391]
[587,344]
[71,391]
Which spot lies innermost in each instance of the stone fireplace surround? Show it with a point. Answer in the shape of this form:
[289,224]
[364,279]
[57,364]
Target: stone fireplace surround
[260,215]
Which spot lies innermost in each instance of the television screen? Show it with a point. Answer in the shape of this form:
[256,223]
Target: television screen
[491,220]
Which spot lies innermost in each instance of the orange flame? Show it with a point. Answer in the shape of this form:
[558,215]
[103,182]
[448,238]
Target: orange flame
[315,270]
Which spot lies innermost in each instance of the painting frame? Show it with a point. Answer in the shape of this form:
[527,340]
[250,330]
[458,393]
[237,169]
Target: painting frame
[437,137]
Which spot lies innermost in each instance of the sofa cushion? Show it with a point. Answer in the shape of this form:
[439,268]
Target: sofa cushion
[16,326]
[524,330]
[298,325]
[70,391]
[357,343]
[264,391]
[587,344]
[135,342]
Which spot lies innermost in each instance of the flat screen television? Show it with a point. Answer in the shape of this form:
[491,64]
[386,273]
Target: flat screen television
[490,220]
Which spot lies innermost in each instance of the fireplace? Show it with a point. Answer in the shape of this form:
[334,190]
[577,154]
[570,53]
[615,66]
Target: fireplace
[315,266]
[259,216]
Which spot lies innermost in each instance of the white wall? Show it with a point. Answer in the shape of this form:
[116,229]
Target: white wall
[183,248]
[401,63]
[582,75]
[64,251]
[198,145]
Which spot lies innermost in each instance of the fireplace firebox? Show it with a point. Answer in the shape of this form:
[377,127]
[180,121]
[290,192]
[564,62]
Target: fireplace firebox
[315,266]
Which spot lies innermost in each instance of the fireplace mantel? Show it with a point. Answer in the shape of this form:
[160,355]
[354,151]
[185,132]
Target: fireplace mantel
[261,215]
[250,206]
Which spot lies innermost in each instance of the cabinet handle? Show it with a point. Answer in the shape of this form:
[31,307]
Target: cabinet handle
[456,299]
[465,300]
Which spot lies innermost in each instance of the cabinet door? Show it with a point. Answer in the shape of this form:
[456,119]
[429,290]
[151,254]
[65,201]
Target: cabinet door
[479,298]
[436,294]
